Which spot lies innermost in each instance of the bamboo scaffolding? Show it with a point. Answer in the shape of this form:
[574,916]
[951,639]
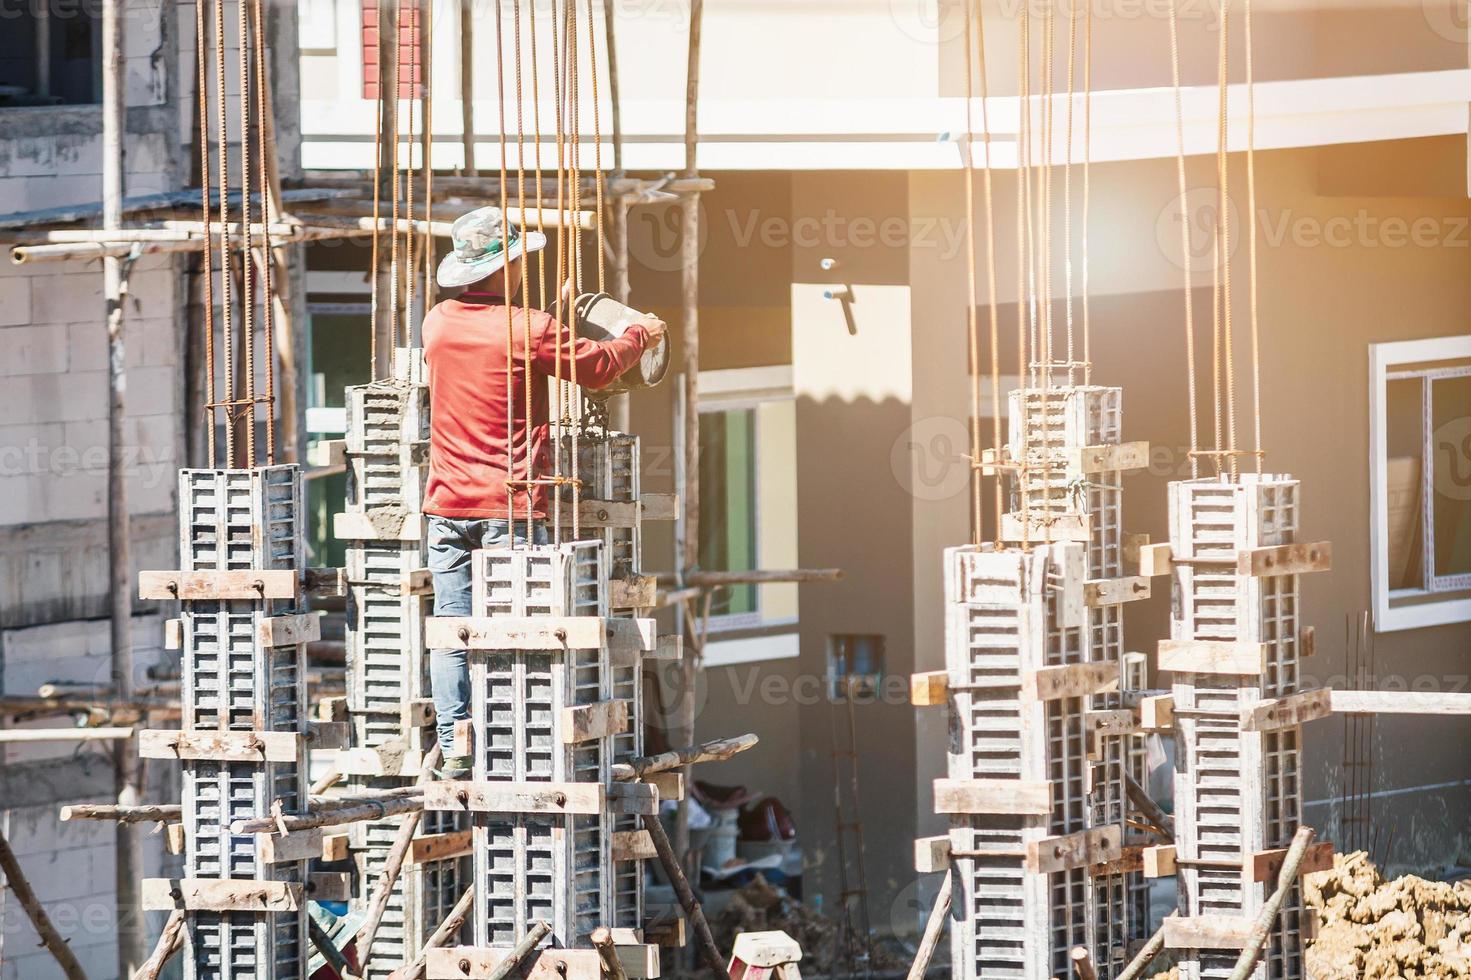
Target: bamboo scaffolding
[170,941]
[715,751]
[448,929]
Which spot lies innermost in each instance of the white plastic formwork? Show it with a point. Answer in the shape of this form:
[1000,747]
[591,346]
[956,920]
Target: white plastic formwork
[387,450]
[1048,429]
[609,469]
[1005,621]
[530,866]
[236,520]
[1236,792]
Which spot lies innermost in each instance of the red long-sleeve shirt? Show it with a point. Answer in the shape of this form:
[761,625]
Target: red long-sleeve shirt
[470,442]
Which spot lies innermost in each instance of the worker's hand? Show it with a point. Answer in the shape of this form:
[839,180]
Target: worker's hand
[654,330]
[567,295]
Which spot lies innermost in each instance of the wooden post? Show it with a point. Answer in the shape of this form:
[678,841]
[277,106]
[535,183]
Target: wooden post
[1082,963]
[391,867]
[467,85]
[127,777]
[716,751]
[521,950]
[1268,915]
[328,949]
[31,906]
[331,816]
[686,894]
[157,813]
[934,927]
[447,930]
[1145,956]
[170,941]
[1150,809]
[602,940]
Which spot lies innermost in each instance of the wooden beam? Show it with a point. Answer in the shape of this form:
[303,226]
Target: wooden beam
[545,633]
[330,886]
[1242,657]
[1079,850]
[588,722]
[1401,702]
[1267,865]
[336,847]
[170,941]
[932,854]
[250,583]
[633,845]
[480,963]
[718,750]
[1286,559]
[154,813]
[1159,860]
[1110,723]
[1069,681]
[1003,796]
[634,592]
[285,631]
[385,524]
[929,688]
[449,929]
[1157,712]
[1154,560]
[1276,714]
[1115,591]
[1207,932]
[220,746]
[1110,458]
[222,895]
[511,797]
[304,845]
[1061,527]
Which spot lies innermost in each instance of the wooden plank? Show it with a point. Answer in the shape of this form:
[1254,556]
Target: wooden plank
[548,633]
[384,524]
[1070,604]
[669,646]
[595,514]
[1401,702]
[1206,932]
[286,631]
[633,845]
[420,581]
[1067,851]
[1062,527]
[1159,860]
[1155,559]
[221,895]
[417,713]
[1287,712]
[1267,865]
[932,854]
[479,963]
[636,799]
[673,932]
[634,592]
[331,886]
[1005,796]
[174,841]
[249,583]
[659,506]
[1109,458]
[509,797]
[329,734]
[1114,591]
[929,688]
[1286,559]
[440,847]
[219,746]
[324,583]
[173,634]
[1213,657]
[335,847]
[1069,681]
[669,784]
[588,722]
[1157,712]
[332,709]
[1110,723]
[299,845]
[1307,642]
[463,740]
[1130,861]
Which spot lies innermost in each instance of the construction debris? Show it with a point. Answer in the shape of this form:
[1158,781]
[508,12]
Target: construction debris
[1370,928]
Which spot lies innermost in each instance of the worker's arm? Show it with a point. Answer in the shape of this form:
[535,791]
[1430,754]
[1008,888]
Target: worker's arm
[598,364]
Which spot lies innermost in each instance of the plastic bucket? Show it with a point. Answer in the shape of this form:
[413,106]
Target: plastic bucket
[600,317]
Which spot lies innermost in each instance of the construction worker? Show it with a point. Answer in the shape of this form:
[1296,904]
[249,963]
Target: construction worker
[477,438]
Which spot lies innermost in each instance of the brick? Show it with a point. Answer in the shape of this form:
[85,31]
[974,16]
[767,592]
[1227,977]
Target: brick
[32,350]
[77,155]
[77,396]
[67,298]
[55,191]
[86,344]
[152,391]
[21,499]
[160,343]
[30,156]
[78,496]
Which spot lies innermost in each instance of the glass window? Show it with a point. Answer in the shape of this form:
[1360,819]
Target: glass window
[728,518]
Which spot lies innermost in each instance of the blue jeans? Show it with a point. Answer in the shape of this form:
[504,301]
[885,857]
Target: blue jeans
[451,540]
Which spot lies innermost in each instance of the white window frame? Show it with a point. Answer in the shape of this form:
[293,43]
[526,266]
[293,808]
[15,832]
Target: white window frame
[1383,360]
[733,389]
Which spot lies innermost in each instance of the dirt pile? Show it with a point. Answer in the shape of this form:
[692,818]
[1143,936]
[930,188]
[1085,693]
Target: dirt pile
[1374,929]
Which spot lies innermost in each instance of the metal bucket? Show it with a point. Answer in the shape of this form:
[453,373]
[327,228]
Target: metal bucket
[600,317]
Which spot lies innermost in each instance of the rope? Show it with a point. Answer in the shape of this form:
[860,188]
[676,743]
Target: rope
[1185,241]
[204,207]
